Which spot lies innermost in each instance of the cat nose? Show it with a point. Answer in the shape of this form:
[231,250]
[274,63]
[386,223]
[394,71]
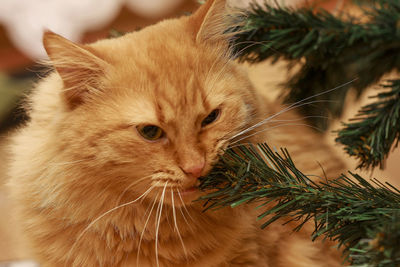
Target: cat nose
[194,168]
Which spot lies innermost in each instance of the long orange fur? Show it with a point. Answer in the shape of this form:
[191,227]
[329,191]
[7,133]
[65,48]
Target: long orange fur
[90,191]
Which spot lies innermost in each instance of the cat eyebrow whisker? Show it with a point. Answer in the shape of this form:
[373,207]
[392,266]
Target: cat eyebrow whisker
[250,44]
[159,212]
[216,79]
[210,71]
[144,228]
[102,216]
[176,226]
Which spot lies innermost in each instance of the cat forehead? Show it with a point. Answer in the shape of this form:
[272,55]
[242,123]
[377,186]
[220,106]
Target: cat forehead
[171,75]
[167,105]
[174,86]
[165,47]
[164,97]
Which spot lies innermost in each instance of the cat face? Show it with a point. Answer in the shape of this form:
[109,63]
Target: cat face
[152,109]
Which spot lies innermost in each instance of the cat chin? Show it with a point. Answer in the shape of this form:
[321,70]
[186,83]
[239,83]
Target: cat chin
[189,196]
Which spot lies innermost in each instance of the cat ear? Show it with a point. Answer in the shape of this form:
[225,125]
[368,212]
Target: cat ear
[78,67]
[210,21]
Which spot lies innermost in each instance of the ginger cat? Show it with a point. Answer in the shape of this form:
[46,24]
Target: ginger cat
[105,171]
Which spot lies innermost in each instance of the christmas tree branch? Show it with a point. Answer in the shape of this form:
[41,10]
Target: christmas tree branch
[331,50]
[375,130]
[363,217]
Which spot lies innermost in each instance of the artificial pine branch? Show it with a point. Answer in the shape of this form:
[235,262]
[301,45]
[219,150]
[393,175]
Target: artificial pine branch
[375,130]
[362,217]
[331,50]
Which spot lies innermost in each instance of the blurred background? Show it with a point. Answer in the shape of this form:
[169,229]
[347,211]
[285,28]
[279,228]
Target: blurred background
[22,23]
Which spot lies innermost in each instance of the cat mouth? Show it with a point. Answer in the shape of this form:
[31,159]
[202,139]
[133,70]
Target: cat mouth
[189,190]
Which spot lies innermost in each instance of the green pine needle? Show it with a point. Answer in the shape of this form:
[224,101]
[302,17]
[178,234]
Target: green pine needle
[375,130]
[331,50]
[362,217]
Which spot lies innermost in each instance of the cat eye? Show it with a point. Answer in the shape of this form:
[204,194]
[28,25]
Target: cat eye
[150,132]
[213,116]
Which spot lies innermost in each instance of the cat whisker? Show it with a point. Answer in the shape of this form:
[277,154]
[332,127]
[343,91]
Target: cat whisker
[144,228]
[184,217]
[238,145]
[302,118]
[186,221]
[274,121]
[293,120]
[262,122]
[234,143]
[130,186]
[184,206]
[250,44]
[277,126]
[167,217]
[176,225]
[160,208]
[296,105]
[222,146]
[102,216]
[219,148]
[172,181]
